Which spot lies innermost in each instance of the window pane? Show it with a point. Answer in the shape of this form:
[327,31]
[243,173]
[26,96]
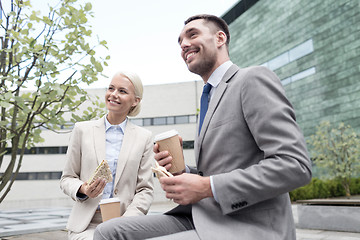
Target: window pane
[43,176]
[286,81]
[63,150]
[301,50]
[160,121]
[303,74]
[279,61]
[147,121]
[192,119]
[181,119]
[22,176]
[138,121]
[32,176]
[170,120]
[55,175]
[51,150]
[188,144]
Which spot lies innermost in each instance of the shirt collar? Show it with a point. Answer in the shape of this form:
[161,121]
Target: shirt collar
[219,73]
[121,125]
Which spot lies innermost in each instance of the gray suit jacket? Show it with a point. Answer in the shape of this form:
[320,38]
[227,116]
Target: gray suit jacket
[256,153]
[133,180]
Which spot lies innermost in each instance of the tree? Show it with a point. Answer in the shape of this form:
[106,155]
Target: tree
[43,59]
[337,150]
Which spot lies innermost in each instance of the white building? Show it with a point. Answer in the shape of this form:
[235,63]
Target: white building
[164,107]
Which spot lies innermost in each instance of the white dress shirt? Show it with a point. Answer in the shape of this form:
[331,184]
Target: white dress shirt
[114,138]
[214,81]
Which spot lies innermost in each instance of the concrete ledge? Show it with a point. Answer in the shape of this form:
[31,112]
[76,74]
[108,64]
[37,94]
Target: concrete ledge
[340,201]
[329,217]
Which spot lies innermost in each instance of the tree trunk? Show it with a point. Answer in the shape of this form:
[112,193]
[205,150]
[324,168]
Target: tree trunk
[346,186]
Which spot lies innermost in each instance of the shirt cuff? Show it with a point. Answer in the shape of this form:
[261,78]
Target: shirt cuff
[81,196]
[213,188]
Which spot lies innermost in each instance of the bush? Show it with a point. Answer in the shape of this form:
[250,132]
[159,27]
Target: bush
[336,150]
[324,189]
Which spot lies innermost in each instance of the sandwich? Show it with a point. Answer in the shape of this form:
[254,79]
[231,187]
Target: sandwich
[160,171]
[102,171]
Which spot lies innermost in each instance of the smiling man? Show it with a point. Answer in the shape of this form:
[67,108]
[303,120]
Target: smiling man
[249,153]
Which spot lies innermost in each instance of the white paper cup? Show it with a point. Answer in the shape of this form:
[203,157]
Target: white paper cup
[110,208]
[170,142]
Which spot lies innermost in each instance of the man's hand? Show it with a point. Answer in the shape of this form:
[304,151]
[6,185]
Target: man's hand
[94,189]
[186,188]
[163,158]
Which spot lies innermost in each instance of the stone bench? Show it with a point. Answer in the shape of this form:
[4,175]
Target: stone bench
[329,214]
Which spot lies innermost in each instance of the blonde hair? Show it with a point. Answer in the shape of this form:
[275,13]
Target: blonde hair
[138,86]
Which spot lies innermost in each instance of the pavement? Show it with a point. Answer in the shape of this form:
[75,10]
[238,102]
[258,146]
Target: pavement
[49,224]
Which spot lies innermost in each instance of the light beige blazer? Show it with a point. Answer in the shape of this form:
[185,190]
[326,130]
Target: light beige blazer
[133,179]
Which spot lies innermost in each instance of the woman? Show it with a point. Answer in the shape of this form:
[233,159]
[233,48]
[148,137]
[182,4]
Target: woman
[126,147]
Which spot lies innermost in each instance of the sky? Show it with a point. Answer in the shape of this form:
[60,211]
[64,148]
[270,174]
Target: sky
[142,36]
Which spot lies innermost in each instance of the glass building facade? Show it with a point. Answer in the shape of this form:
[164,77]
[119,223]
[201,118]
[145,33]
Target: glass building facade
[314,48]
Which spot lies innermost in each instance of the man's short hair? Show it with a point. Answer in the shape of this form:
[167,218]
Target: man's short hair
[219,22]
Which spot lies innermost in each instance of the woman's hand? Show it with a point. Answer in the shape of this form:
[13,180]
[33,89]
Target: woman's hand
[93,190]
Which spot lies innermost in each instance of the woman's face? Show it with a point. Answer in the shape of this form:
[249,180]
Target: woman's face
[120,96]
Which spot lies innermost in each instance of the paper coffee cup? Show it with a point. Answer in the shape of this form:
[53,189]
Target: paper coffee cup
[170,142]
[110,208]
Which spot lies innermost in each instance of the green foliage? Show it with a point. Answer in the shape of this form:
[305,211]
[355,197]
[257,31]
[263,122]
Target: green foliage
[324,189]
[43,59]
[336,150]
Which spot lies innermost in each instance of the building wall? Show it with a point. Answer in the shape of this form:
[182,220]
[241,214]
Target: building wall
[330,89]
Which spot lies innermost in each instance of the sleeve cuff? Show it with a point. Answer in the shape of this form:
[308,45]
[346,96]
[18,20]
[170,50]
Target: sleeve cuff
[213,188]
[81,196]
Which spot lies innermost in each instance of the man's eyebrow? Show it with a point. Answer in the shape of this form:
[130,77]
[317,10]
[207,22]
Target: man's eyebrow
[186,32]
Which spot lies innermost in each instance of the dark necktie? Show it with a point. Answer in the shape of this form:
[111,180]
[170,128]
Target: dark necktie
[204,103]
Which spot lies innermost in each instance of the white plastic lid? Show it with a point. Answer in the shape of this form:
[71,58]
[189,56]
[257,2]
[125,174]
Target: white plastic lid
[165,135]
[109,200]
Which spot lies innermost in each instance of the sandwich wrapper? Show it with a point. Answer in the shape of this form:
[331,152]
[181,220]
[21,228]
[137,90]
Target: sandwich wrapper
[160,171]
[102,171]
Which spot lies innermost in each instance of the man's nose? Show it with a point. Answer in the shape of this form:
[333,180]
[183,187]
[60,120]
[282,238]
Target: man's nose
[185,44]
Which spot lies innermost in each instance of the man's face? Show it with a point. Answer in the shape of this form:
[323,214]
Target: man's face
[198,47]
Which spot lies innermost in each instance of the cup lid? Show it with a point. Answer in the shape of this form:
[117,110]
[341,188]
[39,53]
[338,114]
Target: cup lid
[109,200]
[164,135]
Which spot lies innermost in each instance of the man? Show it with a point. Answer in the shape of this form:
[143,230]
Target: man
[249,152]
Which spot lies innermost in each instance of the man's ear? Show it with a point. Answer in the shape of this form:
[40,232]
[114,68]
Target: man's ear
[220,38]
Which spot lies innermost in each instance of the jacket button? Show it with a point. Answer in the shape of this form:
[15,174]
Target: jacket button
[201,173]
[239,205]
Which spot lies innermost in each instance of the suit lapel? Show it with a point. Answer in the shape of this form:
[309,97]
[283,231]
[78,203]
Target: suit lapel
[128,142]
[220,90]
[99,139]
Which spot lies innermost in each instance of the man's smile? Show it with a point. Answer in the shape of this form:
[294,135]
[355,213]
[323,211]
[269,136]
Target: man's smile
[189,54]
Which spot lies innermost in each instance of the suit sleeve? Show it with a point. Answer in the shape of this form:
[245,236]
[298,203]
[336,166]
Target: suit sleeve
[70,181]
[285,164]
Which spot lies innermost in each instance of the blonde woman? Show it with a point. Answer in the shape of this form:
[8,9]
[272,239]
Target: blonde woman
[126,147]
